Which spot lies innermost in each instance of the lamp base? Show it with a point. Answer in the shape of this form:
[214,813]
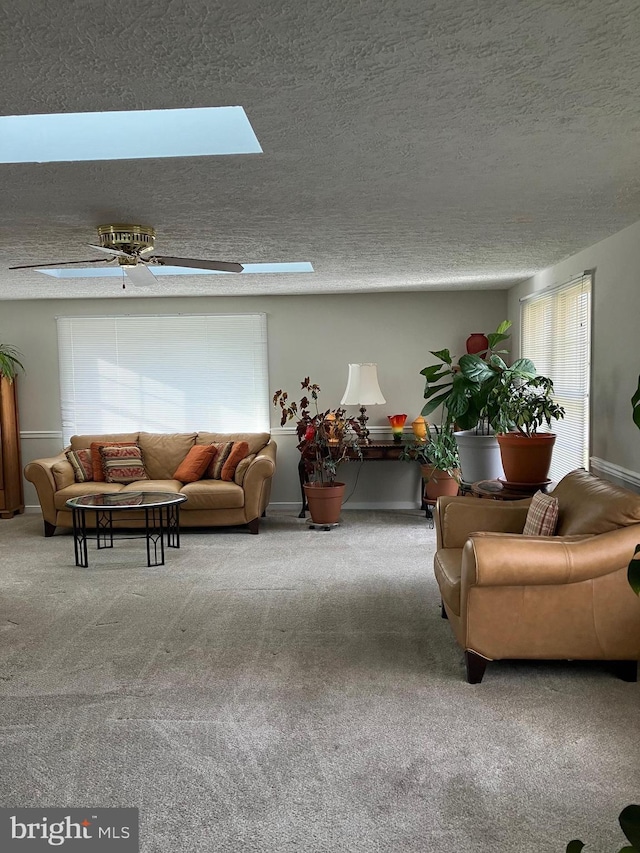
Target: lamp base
[363,418]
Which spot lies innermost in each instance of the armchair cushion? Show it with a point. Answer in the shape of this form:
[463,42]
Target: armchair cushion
[587,504]
[542,516]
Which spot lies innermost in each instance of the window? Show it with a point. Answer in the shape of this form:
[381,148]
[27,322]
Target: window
[163,373]
[556,336]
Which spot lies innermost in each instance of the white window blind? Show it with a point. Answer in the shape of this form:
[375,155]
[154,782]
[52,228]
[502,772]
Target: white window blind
[163,373]
[556,336]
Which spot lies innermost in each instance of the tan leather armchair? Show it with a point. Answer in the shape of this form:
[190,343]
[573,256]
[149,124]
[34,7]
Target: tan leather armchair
[542,597]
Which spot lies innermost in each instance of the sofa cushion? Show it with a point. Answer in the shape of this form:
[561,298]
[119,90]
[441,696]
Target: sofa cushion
[212,494]
[122,463]
[163,452]
[214,470]
[195,463]
[587,504]
[542,516]
[80,461]
[62,473]
[167,486]
[75,490]
[255,440]
[241,469]
[79,441]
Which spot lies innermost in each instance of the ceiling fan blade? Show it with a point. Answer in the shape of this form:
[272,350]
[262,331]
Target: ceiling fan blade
[220,266]
[60,264]
[140,275]
[117,252]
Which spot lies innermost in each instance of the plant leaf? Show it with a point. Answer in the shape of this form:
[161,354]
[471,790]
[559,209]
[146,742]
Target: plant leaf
[635,402]
[630,824]
[442,354]
[475,368]
[524,367]
[633,572]
[574,846]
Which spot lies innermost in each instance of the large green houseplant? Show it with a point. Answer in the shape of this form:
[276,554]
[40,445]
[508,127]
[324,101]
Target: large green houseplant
[10,361]
[325,439]
[463,389]
[523,405]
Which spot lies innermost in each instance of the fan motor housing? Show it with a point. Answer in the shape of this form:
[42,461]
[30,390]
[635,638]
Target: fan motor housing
[136,239]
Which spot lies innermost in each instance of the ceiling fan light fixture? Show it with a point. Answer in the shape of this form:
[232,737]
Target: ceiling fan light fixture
[137,239]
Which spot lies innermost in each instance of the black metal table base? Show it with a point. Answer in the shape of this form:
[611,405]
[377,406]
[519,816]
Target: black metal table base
[159,520]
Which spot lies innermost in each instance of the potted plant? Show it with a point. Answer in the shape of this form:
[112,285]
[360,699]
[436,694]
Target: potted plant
[523,406]
[325,439]
[463,390]
[635,404]
[439,462]
[9,361]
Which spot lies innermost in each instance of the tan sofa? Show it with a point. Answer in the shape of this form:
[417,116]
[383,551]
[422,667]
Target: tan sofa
[209,502]
[542,597]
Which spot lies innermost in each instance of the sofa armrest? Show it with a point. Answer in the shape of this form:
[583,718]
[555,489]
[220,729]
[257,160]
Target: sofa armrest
[257,481]
[494,559]
[40,473]
[458,517]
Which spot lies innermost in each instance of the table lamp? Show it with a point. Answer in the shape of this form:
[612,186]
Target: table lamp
[362,390]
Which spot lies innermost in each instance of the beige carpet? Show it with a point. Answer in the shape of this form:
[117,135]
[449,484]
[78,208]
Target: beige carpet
[294,691]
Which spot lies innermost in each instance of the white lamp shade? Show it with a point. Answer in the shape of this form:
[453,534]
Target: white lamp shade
[362,386]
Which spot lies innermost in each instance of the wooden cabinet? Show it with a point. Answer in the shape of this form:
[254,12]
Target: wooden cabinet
[11,488]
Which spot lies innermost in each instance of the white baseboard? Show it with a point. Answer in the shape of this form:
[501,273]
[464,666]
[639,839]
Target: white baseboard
[628,478]
[284,506]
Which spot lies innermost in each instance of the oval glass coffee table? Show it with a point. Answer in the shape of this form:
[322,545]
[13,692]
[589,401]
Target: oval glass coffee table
[161,515]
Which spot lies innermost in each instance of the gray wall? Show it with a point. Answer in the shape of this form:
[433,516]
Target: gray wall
[314,336]
[615,440]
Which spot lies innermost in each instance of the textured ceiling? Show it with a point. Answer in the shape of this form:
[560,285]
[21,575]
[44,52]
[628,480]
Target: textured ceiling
[407,144]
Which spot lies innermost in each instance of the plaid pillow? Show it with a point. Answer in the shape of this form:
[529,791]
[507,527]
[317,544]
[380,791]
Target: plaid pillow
[122,463]
[542,516]
[214,471]
[80,461]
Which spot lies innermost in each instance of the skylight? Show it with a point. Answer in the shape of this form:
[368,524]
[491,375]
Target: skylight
[134,134]
[117,272]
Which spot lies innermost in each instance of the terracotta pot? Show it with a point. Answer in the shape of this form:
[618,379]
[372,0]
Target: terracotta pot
[526,459]
[325,501]
[438,483]
[476,343]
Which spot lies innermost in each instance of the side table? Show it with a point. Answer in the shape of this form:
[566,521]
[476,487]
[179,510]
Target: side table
[502,491]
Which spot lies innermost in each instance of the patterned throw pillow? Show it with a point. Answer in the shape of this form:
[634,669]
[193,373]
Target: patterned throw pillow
[80,461]
[214,471]
[122,463]
[195,463]
[542,516]
[96,458]
[239,450]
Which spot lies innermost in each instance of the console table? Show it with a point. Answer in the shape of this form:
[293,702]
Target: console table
[377,451]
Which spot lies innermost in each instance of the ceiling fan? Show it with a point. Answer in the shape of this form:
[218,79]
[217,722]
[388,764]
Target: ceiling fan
[130,246]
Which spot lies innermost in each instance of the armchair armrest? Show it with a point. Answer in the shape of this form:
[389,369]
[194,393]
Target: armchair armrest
[458,517]
[498,559]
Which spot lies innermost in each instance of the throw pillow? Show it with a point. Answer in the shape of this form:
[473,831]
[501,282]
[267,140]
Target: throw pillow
[542,516]
[195,463]
[122,463]
[241,470]
[214,471]
[80,461]
[239,450]
[96,458]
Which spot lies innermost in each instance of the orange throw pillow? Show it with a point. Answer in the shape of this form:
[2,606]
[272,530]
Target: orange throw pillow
[239,450]
[195,463]
[96,458]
